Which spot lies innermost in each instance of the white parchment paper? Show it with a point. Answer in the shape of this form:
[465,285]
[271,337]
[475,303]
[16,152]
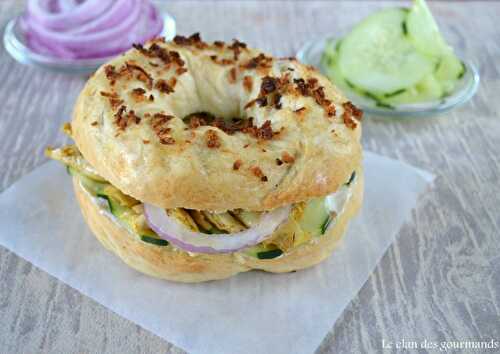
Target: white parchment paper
[253,312]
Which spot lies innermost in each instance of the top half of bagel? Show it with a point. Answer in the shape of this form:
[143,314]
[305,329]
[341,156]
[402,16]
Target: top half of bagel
[216,127]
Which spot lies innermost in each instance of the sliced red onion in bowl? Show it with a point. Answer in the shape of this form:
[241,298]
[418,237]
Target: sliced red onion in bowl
[89,28]
[173,231]
[43,13]
[91,39]
[119,10]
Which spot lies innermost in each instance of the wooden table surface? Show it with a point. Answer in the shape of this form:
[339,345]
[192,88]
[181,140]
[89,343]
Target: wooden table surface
[440,281]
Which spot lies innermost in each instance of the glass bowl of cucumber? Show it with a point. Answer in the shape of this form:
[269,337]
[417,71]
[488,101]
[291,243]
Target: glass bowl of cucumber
[395,63]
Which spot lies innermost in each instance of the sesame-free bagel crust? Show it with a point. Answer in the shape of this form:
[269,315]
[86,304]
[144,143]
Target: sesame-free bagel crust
[128,123]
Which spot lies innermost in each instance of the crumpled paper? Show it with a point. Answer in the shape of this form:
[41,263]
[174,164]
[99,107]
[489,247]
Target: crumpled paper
[253,312]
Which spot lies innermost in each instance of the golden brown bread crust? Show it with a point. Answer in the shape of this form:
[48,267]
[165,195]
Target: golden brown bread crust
[187,173]
[168,263]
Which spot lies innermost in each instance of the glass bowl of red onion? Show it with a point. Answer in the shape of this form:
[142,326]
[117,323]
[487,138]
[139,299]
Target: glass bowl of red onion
[78,36]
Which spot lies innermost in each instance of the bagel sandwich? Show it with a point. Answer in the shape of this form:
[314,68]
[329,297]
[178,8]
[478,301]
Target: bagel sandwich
[195,161]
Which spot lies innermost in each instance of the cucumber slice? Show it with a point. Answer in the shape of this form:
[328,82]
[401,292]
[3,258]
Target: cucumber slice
[449,71]
[330,51]
[270,254]
[118,207]
[351,179]
[424,31]
[114,207]
[327,223]
[153,240]
[93,186]
[428,89]
[315,216]
[262,250]
[378,98]
[329,63]
[377,56]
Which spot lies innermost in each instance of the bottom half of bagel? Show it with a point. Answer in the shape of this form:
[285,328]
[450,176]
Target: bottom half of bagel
[171,263]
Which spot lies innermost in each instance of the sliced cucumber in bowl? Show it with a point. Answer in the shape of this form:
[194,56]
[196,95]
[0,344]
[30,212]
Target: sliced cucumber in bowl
[377,57]
[380,66]
[449,70]
[423,31]
[312,53]
[329,64]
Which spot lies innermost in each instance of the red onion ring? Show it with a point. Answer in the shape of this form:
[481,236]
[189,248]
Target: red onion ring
[87,40]
[61,20]
[116,13]
[173,231]
[112,30]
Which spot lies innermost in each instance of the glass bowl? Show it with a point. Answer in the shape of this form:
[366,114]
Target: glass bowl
[15,44]
[311,54]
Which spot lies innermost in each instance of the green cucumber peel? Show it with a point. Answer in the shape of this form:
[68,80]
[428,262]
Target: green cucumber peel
[269,254]
[108,200]
[351,179]
[395,93]
[325,225]
[462,73]
[384,105]
[404,28]
[154,240]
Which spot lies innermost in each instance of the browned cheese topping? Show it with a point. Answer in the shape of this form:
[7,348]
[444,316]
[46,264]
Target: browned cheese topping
[232,75]
[159,124]
[124,119]
[111,74]
[350,112]
[271,91]
[165,86]
[141,75]
[168,57]
[212,139]
[265,132]
[237,164]
[258,62]
[114,99]
[274,88]
[310,88]
[287,158]
[127,71]
[138,94]
[219,44]
[132,70]
[192,40]
[248,83]
[237,47]
[181,71]
[257,172]
[232,126]
[222,61]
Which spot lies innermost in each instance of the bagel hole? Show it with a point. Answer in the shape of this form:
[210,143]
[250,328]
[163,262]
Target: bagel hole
[228,125]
